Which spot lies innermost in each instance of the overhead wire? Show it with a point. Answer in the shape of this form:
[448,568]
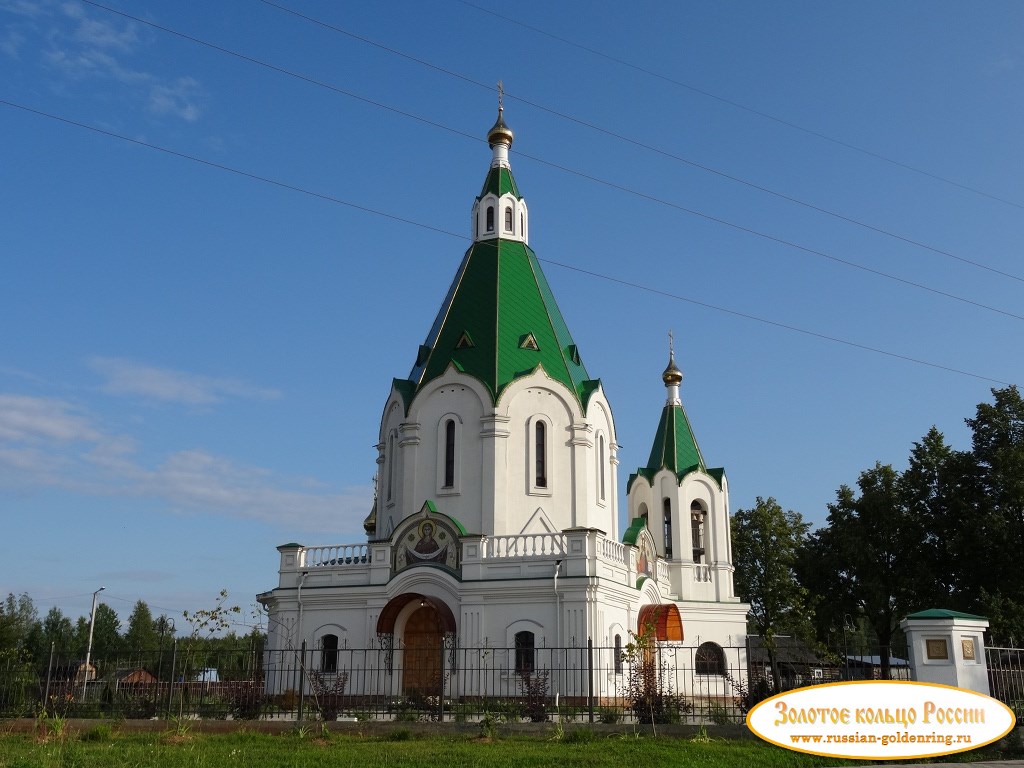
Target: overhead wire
[622,188]
[366,209]
[629,140]
[738,105]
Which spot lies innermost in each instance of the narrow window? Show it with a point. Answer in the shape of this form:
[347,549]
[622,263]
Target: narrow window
[329,653]
[618,654]
[697,516]
[391,464]
[522,225]
[709,659]
[490,218]
[541,446]
[508,218]
[449,453]
[643,513]
[667,528]
[524,652]
[600,458]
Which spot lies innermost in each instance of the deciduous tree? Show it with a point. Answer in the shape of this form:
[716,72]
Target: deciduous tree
[765,542]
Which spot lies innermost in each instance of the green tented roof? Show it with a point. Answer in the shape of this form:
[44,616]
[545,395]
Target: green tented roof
[675,449]
[499,298]
[499,181]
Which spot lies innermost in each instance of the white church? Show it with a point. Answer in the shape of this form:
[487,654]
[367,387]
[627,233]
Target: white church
[495,523]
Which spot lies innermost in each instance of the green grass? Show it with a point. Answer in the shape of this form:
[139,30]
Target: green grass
[289,751]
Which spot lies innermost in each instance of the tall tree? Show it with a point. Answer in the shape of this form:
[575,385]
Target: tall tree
[18,618]
[142,636]
[57,631]
[765,542]
[998,454]
[106,637]
[868,547]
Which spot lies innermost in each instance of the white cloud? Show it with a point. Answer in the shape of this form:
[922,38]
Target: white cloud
[82,45]
[29,8]
[101,33]
[11,43]
[125,377]
[177,99]
[32,419]
[49,443]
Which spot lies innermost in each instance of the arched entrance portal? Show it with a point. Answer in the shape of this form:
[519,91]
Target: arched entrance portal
[428,633]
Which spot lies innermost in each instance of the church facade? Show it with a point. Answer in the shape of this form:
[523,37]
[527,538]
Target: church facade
[495,521]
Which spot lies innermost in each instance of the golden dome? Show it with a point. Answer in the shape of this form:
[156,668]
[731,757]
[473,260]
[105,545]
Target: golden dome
[672,375]
[500,133]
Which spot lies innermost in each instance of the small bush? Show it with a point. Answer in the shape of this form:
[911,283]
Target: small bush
[609,715]
[400,734]
[101,732]
[579,736]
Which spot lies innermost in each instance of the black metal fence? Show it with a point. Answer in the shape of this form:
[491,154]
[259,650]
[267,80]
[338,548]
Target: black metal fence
[401,683]
[1006,677]
[443,683]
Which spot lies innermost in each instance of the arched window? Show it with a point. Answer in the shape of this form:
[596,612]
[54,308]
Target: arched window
[524,652]
[600,470]
[522,225]
[709,659]
[643,512]
[697,516]
[391,464]
[667,527]
[490,218]
[508,218]
[329,653]
[540,455]
[618,654]
[449,453]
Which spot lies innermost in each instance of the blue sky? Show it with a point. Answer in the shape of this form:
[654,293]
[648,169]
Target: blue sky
[193,361]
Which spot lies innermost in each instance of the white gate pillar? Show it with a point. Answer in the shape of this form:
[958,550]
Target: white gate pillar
[947,647]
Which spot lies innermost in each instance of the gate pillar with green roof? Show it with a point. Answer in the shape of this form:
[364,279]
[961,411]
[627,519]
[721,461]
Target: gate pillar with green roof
[947,647]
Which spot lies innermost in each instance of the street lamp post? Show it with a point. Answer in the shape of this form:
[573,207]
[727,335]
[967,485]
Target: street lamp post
[88,651]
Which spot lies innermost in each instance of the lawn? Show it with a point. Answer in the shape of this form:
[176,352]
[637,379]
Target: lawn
[104,746]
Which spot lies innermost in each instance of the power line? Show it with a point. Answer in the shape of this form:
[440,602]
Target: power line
[612,185]
[333,199]
[744,107]
[629,140]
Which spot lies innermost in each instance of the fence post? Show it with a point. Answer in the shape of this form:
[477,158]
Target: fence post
[440,685]
[49,675]
[302,679]
[170,687]
[590,677]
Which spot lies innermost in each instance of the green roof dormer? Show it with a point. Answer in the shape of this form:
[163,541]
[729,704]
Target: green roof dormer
[499,320]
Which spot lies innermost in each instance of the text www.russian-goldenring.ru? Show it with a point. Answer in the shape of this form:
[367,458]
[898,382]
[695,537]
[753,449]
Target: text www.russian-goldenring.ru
[885,740]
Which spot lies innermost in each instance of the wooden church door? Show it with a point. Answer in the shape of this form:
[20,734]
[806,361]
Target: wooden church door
[423,648]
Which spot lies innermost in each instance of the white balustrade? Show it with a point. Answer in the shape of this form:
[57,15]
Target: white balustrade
[613,550]
[524,545]
[337,556]
[662,572]
[702,573]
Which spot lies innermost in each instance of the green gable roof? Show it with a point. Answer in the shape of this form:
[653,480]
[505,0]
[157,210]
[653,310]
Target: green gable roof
[501,300]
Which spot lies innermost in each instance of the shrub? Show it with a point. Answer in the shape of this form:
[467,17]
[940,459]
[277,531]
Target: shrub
[534,687]
[648,689]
